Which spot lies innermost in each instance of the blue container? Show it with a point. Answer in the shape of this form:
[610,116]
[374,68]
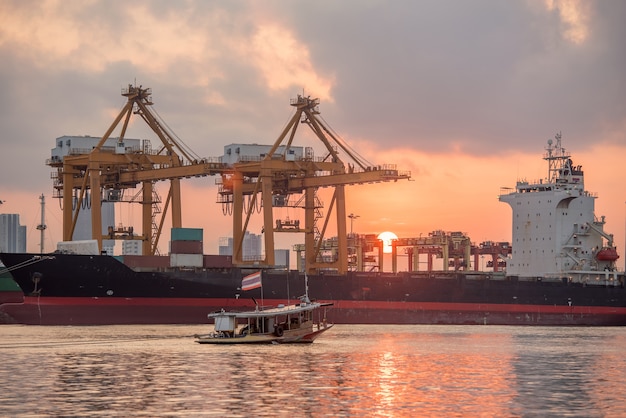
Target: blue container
[186,234]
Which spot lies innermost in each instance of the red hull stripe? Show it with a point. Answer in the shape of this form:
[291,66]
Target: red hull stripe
[339,304]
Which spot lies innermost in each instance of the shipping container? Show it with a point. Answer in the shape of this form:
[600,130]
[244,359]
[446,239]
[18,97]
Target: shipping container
[85,247]
[218,261]
[186,260]
[186,247]
[186,234]
[137,261]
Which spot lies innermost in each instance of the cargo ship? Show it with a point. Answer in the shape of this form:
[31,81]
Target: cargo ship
[561,269]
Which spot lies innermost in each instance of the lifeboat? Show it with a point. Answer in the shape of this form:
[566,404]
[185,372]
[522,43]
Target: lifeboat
[607,254]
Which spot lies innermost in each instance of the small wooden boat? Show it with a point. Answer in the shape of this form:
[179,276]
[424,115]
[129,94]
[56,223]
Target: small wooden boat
[295,323]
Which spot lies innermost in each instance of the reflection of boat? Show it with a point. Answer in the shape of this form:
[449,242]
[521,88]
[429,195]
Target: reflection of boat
[283,324]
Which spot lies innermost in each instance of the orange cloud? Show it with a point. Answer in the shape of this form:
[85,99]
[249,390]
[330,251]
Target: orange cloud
[575,16]
[285,62]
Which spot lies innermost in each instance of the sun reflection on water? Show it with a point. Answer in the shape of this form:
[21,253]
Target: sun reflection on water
[385,371]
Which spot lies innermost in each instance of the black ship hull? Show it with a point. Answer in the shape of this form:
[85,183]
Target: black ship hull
[92,290]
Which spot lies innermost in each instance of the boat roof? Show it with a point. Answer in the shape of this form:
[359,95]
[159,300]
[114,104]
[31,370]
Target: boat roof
[279,310]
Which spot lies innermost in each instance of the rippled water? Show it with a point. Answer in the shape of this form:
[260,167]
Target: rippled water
[350,371]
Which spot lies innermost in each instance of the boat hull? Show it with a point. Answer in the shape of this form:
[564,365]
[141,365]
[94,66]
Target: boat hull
[11,296]
[298,336]
[248,339]
[97,311]
[10,292]
[101,290]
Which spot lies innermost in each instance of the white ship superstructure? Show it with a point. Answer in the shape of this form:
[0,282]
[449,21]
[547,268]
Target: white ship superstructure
[556,234]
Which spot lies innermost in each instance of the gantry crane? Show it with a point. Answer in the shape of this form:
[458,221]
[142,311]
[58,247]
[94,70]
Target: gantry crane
[109,169]
[276,175]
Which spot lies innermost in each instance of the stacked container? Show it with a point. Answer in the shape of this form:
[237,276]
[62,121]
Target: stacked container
[186,247]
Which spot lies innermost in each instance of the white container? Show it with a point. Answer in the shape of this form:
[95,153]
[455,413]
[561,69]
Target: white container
[186,260]
[85,247]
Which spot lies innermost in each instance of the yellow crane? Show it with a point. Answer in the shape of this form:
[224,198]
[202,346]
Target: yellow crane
[274,176]
[277,175]
[106,168]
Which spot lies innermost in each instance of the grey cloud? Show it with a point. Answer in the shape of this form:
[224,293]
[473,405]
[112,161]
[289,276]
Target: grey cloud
[491,76]
[496,75]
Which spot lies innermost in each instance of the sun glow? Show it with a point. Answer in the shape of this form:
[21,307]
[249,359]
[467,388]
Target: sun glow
[387,237]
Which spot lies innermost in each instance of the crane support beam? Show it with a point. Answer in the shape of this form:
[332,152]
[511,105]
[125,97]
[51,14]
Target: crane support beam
[180,172]
[301,183]
[268,218]
[146,212]
[345,179]
[96,213]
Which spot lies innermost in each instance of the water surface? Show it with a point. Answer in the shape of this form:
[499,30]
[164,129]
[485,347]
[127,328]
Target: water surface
[365,370]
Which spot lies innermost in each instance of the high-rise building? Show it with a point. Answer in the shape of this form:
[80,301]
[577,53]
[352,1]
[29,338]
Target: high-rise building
[252,246]
[12,234]
[253,249]
[225,246]
[131,247]
[281,258]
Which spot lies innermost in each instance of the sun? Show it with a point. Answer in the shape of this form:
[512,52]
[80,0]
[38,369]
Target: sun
[386,237]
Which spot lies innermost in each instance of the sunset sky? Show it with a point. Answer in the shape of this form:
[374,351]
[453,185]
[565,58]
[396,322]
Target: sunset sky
[464,94]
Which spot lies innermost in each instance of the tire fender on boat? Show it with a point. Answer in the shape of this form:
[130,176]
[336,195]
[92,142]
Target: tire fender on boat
[278,331]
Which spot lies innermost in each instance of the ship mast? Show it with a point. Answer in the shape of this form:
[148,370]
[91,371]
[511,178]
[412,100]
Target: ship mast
[42,226]
[556,158]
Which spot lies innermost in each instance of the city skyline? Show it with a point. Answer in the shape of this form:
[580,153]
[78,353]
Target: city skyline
[463,95]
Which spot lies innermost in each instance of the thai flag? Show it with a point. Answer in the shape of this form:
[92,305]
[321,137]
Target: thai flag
[251,281]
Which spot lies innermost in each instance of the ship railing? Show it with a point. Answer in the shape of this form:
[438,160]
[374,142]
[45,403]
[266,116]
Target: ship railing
[34,260]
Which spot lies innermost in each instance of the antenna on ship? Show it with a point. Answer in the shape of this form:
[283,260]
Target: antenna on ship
[42,226]
[556,157]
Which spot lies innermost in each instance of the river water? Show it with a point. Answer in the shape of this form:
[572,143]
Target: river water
[365,370]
